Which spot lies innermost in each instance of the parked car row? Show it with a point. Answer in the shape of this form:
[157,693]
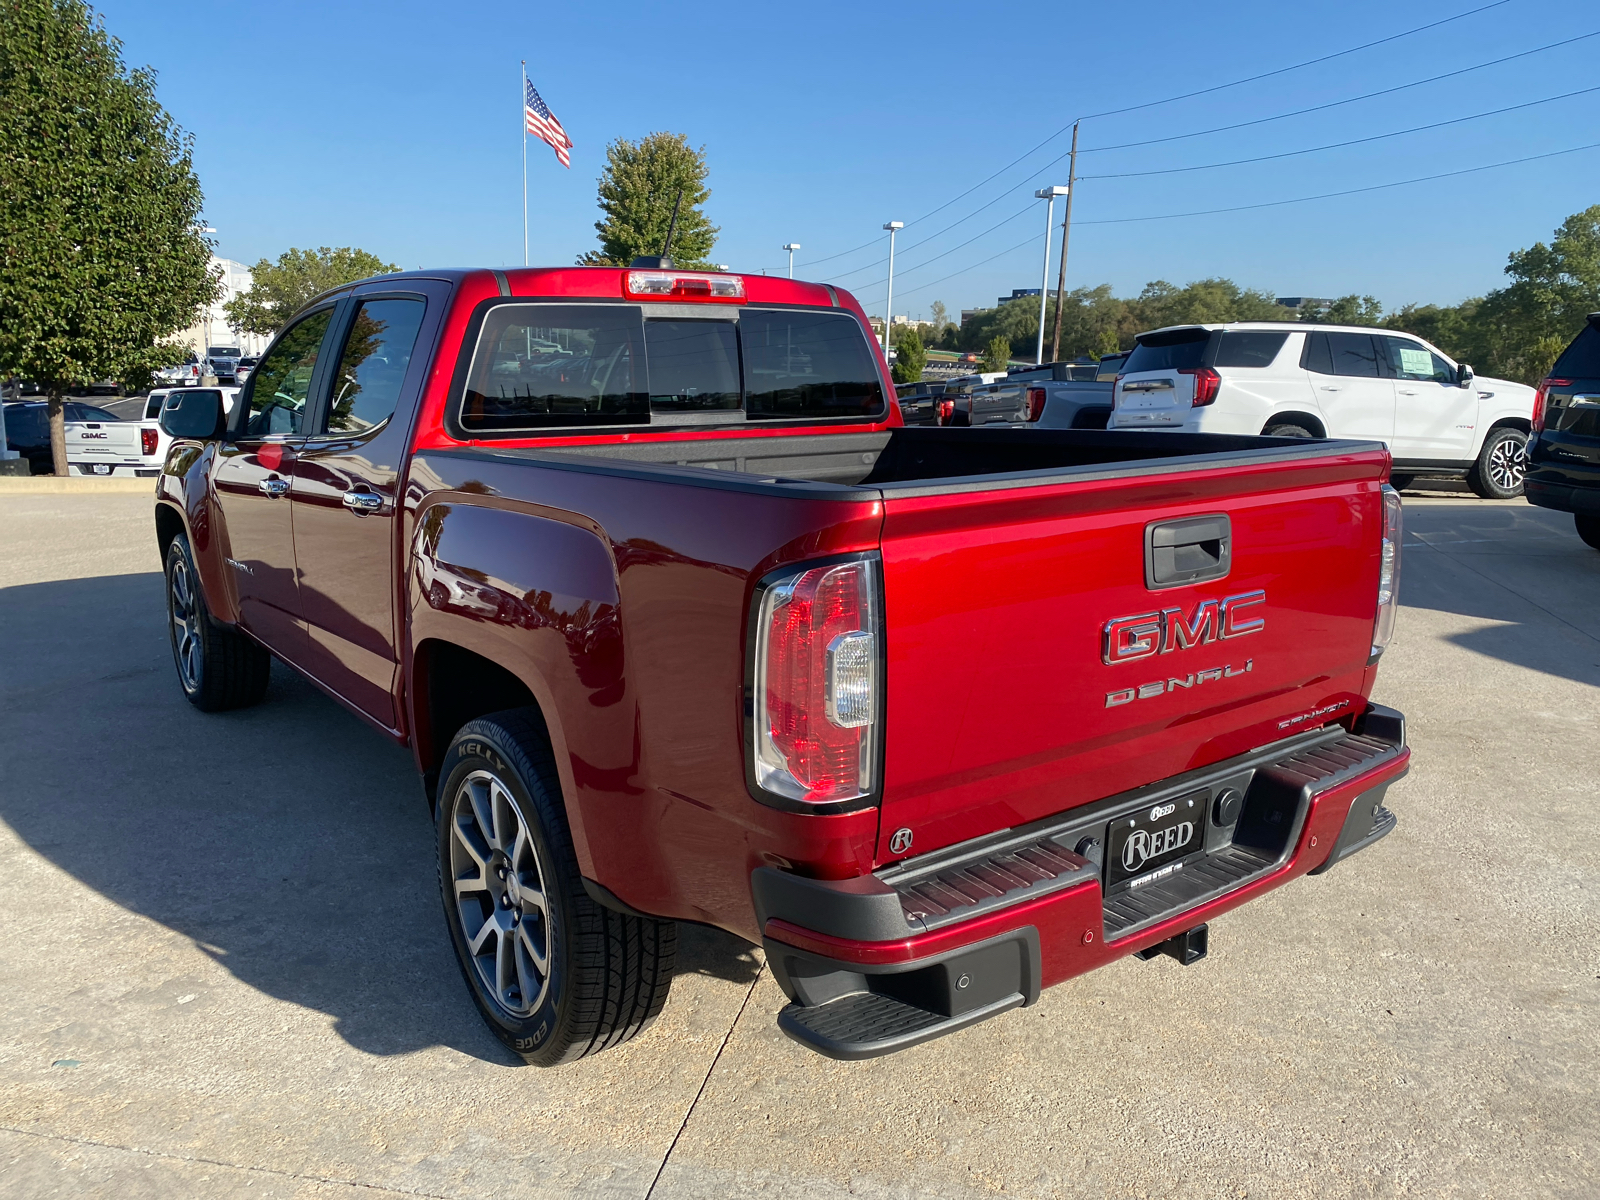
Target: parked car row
[98,442]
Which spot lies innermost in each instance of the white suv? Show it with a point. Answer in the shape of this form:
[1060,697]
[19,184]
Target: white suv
[1331,381]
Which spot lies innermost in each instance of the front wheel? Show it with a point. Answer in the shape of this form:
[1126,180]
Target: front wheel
[1501,466]
[218,668]
[1588,529]
[555,975]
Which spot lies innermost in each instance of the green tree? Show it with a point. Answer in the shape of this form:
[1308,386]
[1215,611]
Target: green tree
[910,356]
[997,354]
[1523,327]
[1347,310]
[280,289]
[1204,300]
[102,260]
[637,191]
[1453,328]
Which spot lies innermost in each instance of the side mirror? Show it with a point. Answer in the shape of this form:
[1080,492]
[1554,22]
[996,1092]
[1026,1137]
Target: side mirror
[1464,376]
[194,413]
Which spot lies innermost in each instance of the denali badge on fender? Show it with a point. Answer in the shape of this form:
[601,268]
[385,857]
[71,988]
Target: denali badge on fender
[1128,638]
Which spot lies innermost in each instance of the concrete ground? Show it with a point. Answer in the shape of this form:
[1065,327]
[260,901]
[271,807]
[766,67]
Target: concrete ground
[224,970]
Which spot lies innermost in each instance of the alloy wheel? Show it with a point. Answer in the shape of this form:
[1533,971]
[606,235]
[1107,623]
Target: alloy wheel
[185,620]
[1508,463]
[499,894]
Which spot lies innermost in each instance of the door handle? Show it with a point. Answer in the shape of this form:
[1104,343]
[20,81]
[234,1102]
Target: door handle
[1329,388]
[362,503]
[273,487]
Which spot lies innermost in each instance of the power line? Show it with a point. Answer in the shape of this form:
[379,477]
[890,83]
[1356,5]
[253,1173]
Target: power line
[1022,212]
[1028,241]
[1376,187]
[1377,137]
[1203,92]
[1300,112]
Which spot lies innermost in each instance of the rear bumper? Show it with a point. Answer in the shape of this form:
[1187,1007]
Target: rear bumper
[937,943]
[1577,491]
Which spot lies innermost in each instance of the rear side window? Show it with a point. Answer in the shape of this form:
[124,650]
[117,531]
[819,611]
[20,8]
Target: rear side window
[152,408]
[88,412]
[800,364]
[373,366]
[1180,350]
[552,366]
[1354,354]
[1249,348]
[1581,360]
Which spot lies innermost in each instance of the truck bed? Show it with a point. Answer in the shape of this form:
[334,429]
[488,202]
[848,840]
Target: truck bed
[928,461]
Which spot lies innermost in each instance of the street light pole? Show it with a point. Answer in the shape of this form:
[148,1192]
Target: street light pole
[888,307]
[1049,195]
[791,247]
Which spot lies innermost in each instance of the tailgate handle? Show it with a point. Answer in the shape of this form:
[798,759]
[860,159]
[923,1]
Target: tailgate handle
[1193,550]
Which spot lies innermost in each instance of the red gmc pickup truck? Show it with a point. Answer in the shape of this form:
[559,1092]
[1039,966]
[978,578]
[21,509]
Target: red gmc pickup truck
[683,624]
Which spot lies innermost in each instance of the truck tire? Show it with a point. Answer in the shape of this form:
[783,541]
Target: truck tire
[1288,431]
[1588,529]
[1502,464]
[1401,483]
[513,894]
[218,668]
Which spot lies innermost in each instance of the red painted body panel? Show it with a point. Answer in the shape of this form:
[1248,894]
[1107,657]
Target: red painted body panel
[995,604]
[621,603]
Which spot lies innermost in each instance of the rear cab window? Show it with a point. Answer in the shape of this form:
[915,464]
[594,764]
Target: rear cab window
[547,367]
[1581,360]
[1169,350]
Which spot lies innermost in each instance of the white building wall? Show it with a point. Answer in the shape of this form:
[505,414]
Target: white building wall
[212,327]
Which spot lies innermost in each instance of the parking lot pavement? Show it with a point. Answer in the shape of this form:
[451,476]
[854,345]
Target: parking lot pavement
[224,970]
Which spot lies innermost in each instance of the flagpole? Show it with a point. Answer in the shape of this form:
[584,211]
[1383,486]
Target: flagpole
[522,101]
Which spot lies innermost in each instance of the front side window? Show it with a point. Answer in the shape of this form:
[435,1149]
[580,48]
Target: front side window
[803,364]
[281,385]
[373,365]
[1354,354]
[1411,360]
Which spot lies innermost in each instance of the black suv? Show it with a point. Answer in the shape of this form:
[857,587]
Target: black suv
[1564,449]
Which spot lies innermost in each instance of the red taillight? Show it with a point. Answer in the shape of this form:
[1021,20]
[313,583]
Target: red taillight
[815,680]
[947,411]
[1206,383]
[149,439]
[1539,401]
[1035,403]
[682,285]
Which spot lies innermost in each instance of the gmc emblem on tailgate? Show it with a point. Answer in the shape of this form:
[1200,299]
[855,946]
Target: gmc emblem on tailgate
[1129,638]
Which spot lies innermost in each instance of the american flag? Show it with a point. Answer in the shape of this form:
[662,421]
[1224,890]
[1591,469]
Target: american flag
[542,123]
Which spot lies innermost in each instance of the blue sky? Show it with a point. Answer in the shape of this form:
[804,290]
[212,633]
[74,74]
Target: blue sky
[395,127]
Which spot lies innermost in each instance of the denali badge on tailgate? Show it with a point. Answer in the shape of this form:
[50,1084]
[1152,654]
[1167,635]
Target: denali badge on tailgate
[1126,639]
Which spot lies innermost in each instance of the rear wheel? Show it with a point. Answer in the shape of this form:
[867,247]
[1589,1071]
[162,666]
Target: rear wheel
[1501,465]
[1299,431]
[555,975]
[1401,482]
[1588,529]
[218,668]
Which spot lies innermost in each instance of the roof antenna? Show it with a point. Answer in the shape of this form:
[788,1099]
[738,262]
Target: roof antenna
[662,261]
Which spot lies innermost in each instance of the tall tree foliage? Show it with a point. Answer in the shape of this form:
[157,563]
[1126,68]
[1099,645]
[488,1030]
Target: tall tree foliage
[280,289]
[910,356]
[637,191]
[102,260]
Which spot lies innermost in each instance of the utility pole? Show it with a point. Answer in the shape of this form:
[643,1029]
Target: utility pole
[1066,230]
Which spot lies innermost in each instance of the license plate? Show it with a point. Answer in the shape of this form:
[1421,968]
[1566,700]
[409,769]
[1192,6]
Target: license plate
[1143,400]
[102,468]
[1149,844]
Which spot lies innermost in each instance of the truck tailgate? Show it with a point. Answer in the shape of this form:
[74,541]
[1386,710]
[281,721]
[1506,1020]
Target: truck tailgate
[1001,705]
[105,441]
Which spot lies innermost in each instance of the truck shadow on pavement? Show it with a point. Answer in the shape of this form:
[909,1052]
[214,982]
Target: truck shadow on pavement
[289,841]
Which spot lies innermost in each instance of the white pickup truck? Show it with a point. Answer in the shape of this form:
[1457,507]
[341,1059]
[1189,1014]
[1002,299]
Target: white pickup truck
[133,449]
